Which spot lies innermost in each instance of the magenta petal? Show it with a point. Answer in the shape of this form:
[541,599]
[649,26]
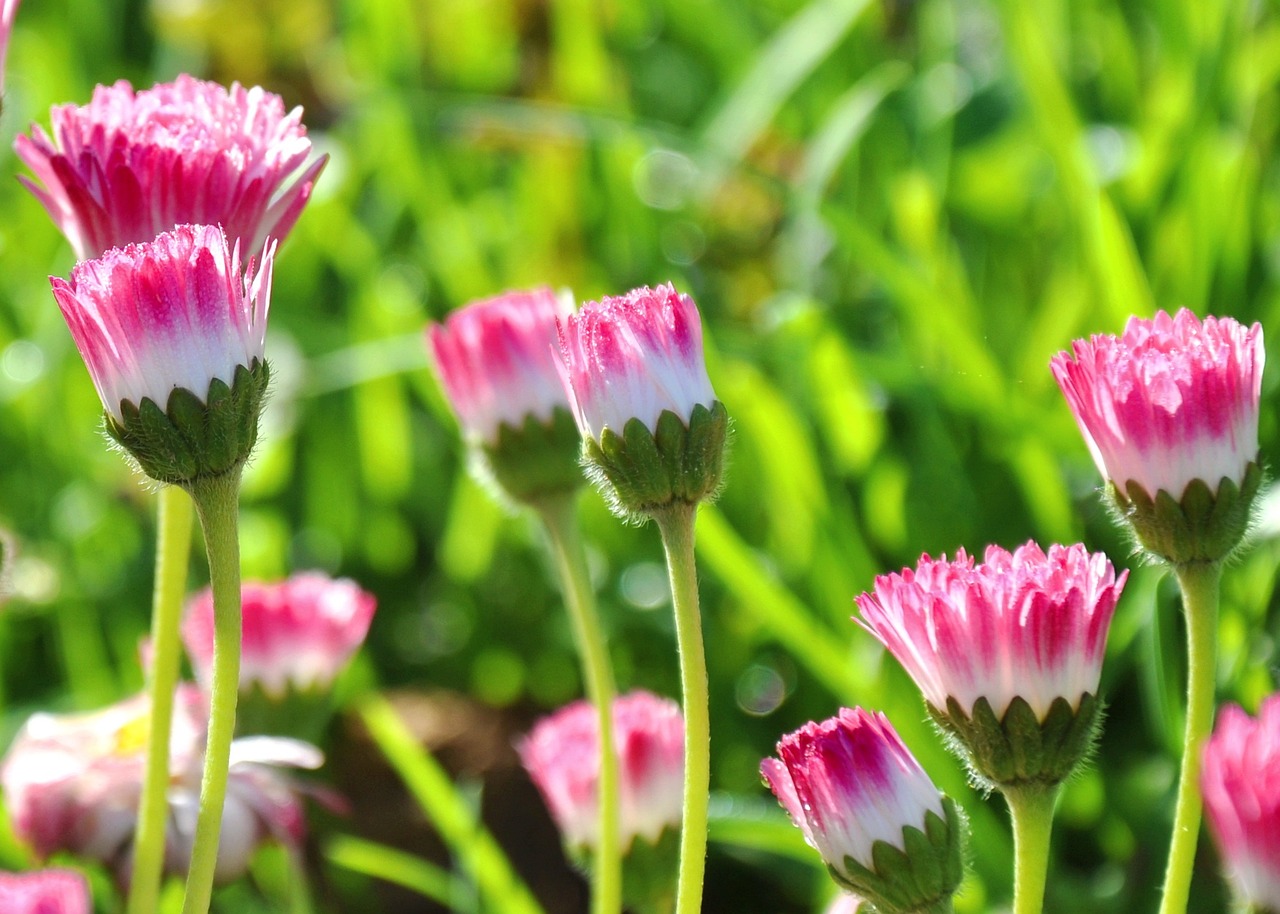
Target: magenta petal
[561,754]
[1171,400]
[1026,624]
[131,165]
[635,356]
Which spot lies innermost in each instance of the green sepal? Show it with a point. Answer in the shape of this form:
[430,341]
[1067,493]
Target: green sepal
[193,439]
[537,459]
[648,871]
[644,470]
[920,876]
[1202,527]
[1020,750]
[298,713]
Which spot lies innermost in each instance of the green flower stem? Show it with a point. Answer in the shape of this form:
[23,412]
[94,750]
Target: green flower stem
[676,526]
[174,515]
[1031,810]
[1199,583]
[560,518]
[217,502]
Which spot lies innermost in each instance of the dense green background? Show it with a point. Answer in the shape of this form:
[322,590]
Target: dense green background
[891,214]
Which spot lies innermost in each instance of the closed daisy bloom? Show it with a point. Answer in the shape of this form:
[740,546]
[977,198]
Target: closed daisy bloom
[130,165]
[849,783]
[1240,781]
[1170,400]
[654,431]
[562,756]
[170,315]
[498,361]
[297,634]
[1027,623]
[635,356]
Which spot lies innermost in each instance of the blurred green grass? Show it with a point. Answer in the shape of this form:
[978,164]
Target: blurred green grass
[891,214]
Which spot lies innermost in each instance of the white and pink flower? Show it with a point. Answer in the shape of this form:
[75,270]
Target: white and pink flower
[1024,624]
[1171,400]
[45,892]
[174,312]
[849,782]
[562,756]
[498,361]
[130,165]
[298,634]
[634,356]
[1240,782]
[8,12]
[73,782]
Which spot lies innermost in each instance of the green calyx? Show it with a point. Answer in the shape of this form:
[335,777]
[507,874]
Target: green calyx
[1019,750]
[1202,527]
[537,460]
[918,878]
[299,713]
[194,439]
[648,871]
[646,471]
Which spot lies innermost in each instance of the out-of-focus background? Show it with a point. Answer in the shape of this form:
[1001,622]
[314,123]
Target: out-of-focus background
[891,213]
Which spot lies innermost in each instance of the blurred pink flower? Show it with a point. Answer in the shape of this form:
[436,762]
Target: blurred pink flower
[1025,623]
[634,356]
[498,361]
[8,12]
[73,783]
[44,892]
[130,165]
[173,312]
[562,756]
[297,634]
[1171,400]
[1240,782]
[849,782]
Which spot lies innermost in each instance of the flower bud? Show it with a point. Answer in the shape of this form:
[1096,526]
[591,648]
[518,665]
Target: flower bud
[1169,410]
[131,165]
[1240,782]
[654,431]
[173,334]
[863,801]
[498,365]
[1008,652]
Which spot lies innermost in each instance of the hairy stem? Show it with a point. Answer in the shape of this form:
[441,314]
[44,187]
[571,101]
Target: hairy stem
[1031,811]
[571,561]
[217,502]
[1199,583]
[174,515]
[676,524]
